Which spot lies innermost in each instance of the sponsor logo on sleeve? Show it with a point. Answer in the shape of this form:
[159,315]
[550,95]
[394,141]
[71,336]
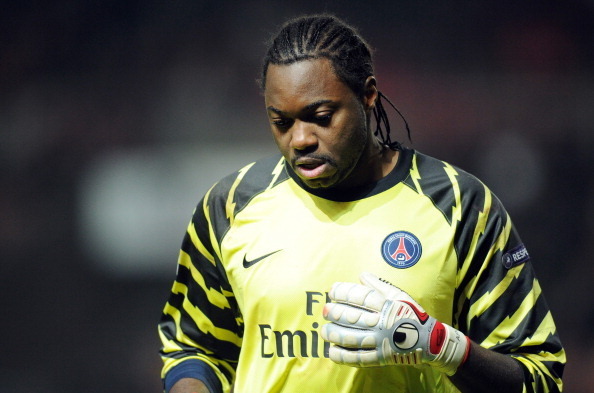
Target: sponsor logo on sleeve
[516,256]
[401,249]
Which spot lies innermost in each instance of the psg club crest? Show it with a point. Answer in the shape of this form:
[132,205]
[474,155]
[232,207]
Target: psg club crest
[401,249]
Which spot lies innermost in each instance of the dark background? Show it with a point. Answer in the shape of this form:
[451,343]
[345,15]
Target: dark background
[98,96]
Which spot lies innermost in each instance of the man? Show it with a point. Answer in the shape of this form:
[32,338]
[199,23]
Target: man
[265,298]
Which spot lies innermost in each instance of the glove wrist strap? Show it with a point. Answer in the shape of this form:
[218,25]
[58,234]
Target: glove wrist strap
[454,351]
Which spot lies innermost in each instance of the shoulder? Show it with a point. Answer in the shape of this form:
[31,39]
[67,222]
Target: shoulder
[449,187]
[432,172]
[218,208]
[242,185]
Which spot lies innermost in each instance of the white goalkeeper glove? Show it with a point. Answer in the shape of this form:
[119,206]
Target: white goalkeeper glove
[378,324]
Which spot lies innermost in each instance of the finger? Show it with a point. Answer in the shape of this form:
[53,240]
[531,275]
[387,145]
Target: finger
[348,291]
[389,291]
[354,358]
[386,289]
[347,315]
[358,295]
[348,337]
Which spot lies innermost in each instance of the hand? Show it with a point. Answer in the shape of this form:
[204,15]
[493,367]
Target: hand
[378,324]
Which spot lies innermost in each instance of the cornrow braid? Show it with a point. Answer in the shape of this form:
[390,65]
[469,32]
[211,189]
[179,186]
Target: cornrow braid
[382,118]
[326,36]
[323,36]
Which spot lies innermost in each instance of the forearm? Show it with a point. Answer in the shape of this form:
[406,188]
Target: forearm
[189,385]
[488,371]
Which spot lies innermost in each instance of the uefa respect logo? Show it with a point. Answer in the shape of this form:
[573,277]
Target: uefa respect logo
[401,249]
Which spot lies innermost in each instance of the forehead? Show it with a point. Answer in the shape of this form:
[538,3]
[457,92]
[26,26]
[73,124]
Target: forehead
[303,82]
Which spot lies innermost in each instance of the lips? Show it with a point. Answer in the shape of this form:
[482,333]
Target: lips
[310,168]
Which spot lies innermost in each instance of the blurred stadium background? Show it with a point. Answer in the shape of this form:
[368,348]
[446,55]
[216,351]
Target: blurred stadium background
[115,116]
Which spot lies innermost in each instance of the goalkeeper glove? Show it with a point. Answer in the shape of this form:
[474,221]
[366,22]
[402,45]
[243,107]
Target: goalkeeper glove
[378,324]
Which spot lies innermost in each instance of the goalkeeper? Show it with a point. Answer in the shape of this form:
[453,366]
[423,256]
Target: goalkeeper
[266,298]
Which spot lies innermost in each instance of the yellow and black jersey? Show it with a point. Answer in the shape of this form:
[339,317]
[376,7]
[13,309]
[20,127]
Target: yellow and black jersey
[262,250]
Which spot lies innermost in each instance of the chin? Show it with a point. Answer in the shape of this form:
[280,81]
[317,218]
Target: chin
[325,183]
[316,184]
[319,183]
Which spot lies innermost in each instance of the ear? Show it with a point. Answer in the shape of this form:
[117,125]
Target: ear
[370,93]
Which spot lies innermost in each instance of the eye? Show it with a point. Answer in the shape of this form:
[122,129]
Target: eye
[322,118]
[282,123]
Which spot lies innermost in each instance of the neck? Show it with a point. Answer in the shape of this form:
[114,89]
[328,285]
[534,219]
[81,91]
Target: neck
[373,166]
[383,160]
[368,188]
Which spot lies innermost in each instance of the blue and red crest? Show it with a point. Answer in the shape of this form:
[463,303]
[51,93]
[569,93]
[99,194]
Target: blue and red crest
[401,249]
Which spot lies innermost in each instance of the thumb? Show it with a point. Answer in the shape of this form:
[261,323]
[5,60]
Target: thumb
[388,290]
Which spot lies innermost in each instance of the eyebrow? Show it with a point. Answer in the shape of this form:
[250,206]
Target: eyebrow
[308,107]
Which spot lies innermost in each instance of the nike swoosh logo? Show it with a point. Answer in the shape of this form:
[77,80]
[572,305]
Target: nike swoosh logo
[251,263]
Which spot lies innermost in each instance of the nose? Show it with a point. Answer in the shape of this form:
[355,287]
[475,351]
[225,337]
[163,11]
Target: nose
[303,136]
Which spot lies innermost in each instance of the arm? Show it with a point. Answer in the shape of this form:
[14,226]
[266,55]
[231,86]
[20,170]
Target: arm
[377,324]
[471,367]
[502,308]
[201,326]
[498,302]
[488,371]
[189,385]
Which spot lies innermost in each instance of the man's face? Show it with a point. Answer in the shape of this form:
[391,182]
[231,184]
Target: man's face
[318,123]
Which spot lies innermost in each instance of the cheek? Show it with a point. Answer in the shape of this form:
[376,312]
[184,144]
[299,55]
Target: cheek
[354,130]
[352,142]
[281,140]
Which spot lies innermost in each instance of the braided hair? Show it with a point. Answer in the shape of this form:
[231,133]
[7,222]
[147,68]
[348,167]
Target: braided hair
[326,36]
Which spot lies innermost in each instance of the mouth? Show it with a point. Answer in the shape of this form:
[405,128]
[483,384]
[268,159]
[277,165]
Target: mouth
[310,168]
